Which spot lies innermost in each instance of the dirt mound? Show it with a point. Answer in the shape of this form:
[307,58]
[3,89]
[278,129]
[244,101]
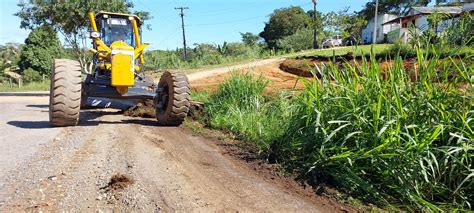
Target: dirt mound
[305,67]
[119,182]
[143,109]
[146,109]
[298,67]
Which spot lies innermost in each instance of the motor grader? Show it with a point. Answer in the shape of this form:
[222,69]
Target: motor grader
[115,74]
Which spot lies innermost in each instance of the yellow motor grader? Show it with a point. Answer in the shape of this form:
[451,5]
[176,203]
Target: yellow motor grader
[117,60]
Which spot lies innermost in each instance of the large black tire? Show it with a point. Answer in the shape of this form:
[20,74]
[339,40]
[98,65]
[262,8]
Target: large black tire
[65,93]
[172,99]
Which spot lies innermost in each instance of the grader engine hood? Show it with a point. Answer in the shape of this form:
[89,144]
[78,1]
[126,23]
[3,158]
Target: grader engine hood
[123,67]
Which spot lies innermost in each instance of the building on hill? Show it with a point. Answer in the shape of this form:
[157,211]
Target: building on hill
[418,17]
[367,32]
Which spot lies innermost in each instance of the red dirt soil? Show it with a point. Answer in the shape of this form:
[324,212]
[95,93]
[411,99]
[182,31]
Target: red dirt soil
[278,78]
[303,67]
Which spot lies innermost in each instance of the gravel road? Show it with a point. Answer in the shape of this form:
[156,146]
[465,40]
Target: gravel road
[115,163]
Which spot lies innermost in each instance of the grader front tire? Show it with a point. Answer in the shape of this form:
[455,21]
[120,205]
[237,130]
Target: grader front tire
[65,93]
[172,99]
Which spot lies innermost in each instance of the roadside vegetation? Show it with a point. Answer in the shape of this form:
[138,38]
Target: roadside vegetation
[389,134]
[392,135]
[32,86]
[355,50]
[380,138]
[206,55]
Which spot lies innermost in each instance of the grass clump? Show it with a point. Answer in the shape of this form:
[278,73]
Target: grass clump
[240,107]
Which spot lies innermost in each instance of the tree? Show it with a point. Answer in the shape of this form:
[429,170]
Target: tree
[399,7]
[331,22]
[284,22]
[41,47]
[249,38]
[301,40]
[9,54]
[70,18]
[350,24]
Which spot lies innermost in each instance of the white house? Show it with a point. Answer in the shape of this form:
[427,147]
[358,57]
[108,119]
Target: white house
[418,17]
[382,30]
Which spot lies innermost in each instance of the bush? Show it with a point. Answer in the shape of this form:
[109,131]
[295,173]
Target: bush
[401,49]
[301,40]
[30,75]
[241,50]
[460,31]
[202,55]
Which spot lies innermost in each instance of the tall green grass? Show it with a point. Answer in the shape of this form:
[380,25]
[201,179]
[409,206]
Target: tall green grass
[240,107]
[386,138]
[377,135]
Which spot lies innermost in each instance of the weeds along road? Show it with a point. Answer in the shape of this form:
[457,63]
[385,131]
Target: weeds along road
[152,168]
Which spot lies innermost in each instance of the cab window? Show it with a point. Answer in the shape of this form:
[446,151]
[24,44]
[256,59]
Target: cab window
[117,29]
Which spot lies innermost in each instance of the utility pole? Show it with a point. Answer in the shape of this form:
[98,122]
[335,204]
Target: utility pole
[315,35]
[374,39]
[181,13]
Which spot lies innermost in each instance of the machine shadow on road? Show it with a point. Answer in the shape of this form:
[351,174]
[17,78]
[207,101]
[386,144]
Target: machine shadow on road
[87,118]
[30,124]
[41,106]
[33,94]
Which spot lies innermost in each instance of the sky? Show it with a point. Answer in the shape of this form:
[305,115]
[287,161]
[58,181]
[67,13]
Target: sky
[206,21]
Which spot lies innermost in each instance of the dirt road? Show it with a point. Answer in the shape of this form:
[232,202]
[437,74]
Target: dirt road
[111,162]
[221,70]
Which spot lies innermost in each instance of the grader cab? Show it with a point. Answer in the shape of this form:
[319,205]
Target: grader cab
[115,74]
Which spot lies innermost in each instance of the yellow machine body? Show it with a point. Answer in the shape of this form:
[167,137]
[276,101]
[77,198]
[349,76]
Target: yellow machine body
[118,58]
[123,68]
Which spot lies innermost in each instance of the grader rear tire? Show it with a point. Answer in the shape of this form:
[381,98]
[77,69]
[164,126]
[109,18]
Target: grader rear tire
[65,93]
[172,100]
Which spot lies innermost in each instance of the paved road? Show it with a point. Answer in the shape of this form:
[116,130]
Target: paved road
[115,163]
[22,122]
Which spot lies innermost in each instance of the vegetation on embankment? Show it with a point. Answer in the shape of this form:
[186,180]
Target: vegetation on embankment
[384,54]
[383,139]
[33,86]
[356,50]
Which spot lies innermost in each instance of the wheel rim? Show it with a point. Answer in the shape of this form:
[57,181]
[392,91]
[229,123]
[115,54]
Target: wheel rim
[163,99]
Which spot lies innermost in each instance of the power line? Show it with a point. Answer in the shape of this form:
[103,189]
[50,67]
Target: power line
[160,17]
[223,11]
[238,20]
[170,35]
[315,33]
[181,13]
[374,35]
[227,22]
